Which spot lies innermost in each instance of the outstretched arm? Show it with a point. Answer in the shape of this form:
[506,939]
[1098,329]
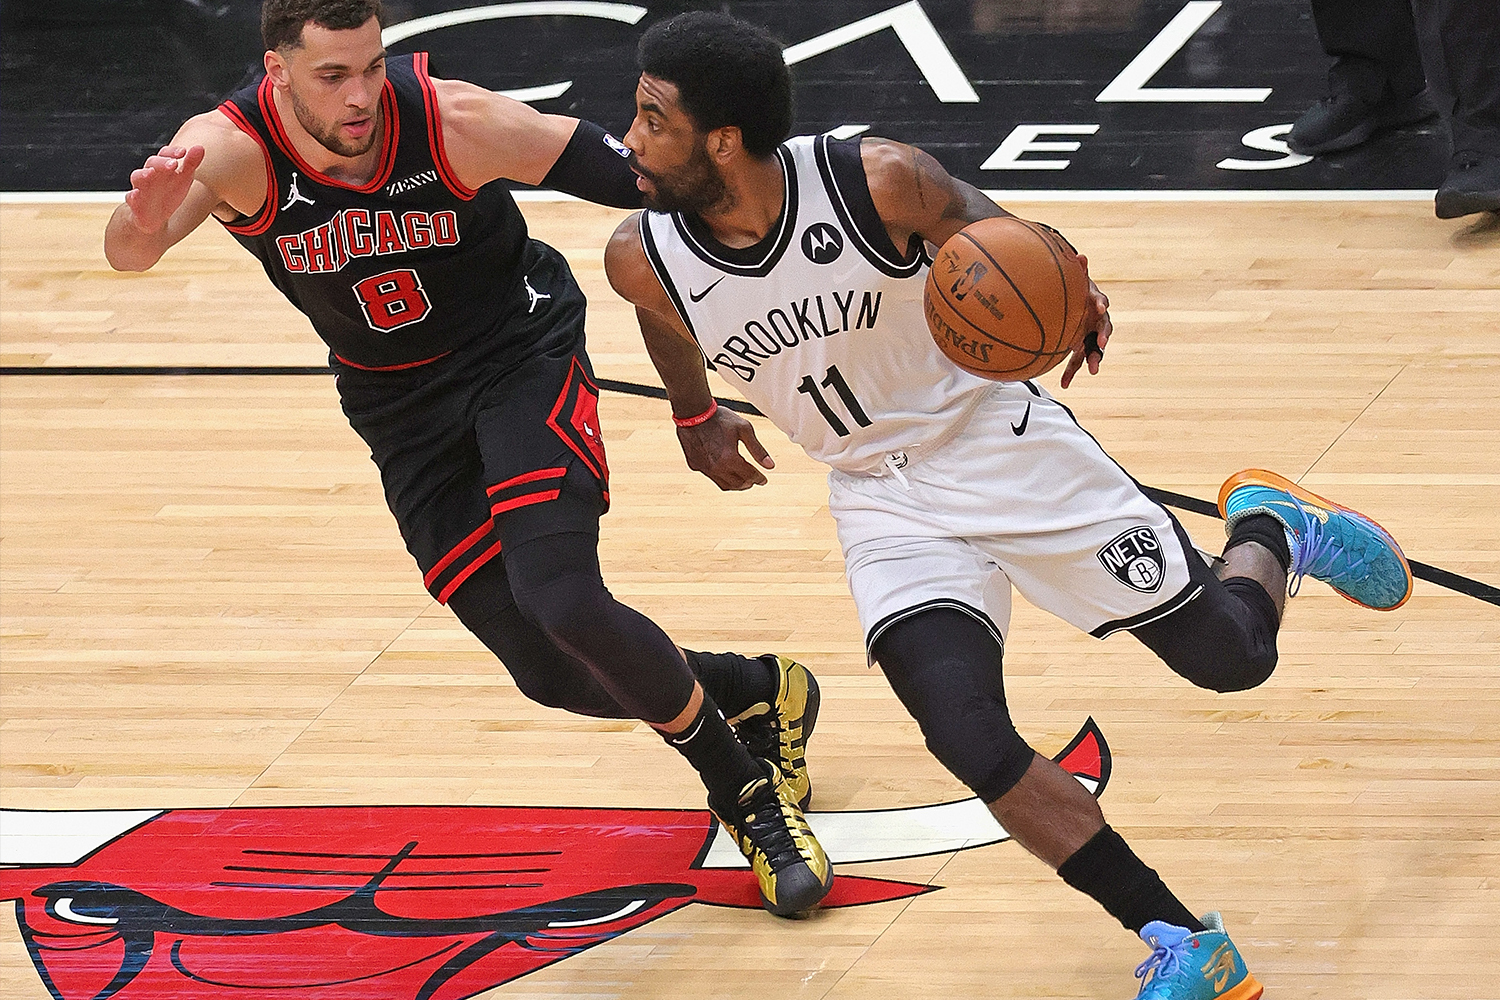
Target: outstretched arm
[210,168]
[711,446]
[489,136]
[916,196]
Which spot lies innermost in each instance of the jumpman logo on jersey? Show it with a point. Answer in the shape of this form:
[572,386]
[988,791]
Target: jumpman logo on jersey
[536,296]
[295,196]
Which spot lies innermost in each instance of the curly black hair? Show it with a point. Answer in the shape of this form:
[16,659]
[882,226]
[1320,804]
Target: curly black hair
[727,72]
[281,21]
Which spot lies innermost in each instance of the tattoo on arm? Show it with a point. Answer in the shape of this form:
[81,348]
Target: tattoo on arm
[917,171]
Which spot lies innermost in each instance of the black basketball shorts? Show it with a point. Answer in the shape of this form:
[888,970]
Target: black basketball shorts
[489,446]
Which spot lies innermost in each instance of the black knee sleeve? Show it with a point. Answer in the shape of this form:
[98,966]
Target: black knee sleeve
[1224,639]
[542,672]
[556,583]
[944,665]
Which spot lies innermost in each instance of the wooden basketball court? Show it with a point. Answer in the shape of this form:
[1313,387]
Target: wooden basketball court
[206,604]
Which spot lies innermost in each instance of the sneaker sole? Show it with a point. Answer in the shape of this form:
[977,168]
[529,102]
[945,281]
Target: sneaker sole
[1245,989]
[1262,477]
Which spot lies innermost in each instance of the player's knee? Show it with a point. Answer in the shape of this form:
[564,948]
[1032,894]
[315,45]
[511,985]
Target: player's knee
[1224,641]
[1223,670]
[945,667]
[566,608]
[974,739]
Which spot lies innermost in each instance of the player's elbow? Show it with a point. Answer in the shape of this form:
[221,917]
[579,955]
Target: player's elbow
[122,256]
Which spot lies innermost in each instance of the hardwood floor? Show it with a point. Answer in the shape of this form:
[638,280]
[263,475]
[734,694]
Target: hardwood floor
[206,604]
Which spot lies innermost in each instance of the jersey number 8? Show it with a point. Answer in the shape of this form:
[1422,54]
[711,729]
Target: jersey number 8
[392,300]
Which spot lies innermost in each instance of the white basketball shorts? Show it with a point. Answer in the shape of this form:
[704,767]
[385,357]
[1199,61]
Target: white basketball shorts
[1022,496]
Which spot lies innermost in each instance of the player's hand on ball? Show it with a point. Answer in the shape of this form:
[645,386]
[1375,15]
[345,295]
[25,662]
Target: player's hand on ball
[161,184]
[713,448]
[1093,333]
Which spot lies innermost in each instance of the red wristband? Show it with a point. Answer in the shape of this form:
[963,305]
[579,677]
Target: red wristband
[701,418]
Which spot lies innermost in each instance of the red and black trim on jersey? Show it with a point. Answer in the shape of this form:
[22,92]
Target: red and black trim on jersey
[393,368]
[390,125]
[435,130]
[262,220]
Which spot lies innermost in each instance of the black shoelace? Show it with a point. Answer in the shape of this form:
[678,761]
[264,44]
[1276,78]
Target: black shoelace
[767,828]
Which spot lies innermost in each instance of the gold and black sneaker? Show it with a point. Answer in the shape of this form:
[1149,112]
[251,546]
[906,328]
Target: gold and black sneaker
[771,832]
[779,733]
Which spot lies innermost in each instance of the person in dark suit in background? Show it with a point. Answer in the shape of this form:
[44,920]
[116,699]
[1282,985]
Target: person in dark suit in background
[1386,54]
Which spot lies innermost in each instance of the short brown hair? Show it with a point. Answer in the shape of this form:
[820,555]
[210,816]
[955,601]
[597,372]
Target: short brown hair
[281,21]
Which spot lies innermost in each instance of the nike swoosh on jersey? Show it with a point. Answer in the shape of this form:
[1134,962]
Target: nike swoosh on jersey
[699,296]
[1019,429]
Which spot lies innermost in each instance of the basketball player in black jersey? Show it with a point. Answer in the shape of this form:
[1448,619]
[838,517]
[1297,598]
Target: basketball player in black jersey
[713,113]
[370,192]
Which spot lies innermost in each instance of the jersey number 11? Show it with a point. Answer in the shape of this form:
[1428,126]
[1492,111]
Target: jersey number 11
[834,380]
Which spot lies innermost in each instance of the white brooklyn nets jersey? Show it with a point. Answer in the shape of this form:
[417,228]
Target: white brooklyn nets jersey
[820,325]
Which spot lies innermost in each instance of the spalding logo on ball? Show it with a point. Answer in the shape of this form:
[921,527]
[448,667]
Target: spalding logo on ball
[1004,299]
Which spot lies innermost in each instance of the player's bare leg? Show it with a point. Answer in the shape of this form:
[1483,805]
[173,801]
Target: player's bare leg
[1048,812]
[1258,563]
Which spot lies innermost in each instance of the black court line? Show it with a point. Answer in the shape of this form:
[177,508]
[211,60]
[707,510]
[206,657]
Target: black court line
[1422,571]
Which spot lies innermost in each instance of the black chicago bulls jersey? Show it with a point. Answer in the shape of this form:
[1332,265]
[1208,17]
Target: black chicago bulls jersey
[402,269]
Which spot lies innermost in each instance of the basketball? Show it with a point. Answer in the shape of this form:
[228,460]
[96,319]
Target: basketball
[1004,298]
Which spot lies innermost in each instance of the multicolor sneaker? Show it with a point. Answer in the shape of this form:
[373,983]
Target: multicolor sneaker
[779,732]
[771,832]
[1188,966]
[1342,547]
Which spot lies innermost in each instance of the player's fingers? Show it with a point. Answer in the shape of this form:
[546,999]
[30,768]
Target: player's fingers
[755,448]
[193,157]
[743,473]
[1075,362]
[1106,327]
[738,475]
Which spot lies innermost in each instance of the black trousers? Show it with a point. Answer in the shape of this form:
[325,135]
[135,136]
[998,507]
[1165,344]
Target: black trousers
[1393,46]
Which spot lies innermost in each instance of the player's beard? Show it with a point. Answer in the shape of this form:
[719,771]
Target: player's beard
[695,188]
[328,134]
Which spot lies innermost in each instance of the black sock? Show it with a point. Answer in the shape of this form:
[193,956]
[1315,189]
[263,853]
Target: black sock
[1265,530]
[722,761]
[734,682]
[1107,869]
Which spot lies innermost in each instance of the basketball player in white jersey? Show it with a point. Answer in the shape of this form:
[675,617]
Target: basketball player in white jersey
[796,268]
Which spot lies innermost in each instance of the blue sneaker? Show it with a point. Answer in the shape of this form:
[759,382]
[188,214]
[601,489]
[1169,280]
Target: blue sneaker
[1342,547]
[1188,966]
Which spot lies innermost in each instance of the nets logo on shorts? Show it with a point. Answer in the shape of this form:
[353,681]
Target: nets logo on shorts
[1136,560]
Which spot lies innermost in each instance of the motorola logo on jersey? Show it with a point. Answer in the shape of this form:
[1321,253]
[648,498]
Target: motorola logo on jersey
[822,243]
[1135,558]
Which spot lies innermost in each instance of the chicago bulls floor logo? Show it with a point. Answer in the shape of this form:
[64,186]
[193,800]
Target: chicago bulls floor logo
[401,902]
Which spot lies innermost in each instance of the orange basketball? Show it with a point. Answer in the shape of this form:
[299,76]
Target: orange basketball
[1004,299]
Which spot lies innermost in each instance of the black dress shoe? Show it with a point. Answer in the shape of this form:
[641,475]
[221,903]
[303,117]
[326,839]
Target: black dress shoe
[1472,185]
[1343,120]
